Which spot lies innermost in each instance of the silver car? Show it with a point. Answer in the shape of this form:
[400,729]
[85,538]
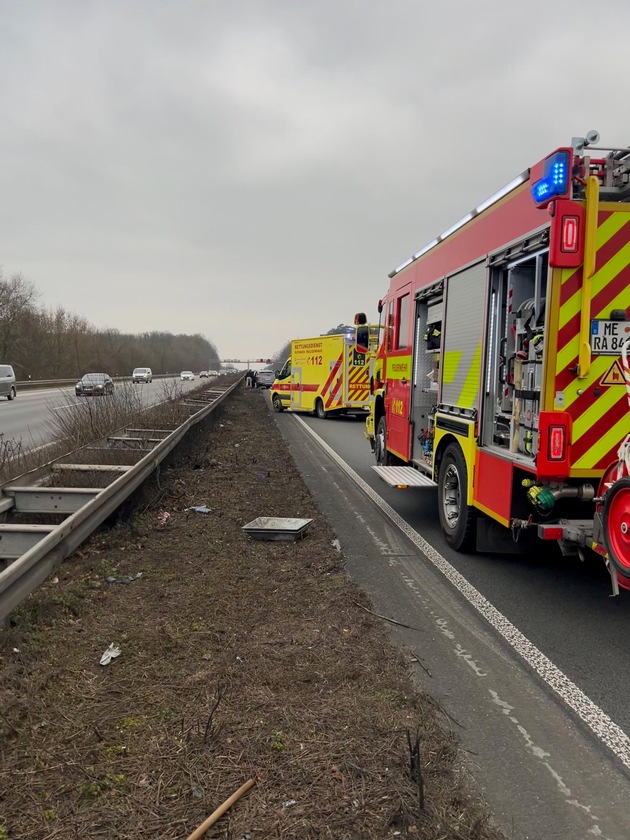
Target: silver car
[142,375]
[7,382]
[265,378]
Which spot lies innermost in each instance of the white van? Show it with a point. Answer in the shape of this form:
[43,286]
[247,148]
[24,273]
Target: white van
[7,382]
[141,375]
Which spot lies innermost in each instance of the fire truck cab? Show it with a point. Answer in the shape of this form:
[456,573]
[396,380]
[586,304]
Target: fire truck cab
[501,375]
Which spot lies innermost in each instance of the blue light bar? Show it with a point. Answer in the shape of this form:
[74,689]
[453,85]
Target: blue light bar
[556,180]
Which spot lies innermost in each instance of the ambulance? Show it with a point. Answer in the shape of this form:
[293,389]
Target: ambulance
[326,375]
[502,376]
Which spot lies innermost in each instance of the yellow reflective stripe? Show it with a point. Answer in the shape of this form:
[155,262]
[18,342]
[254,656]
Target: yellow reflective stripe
[551,343]
[620,302]
[598,370]
[601,279]
[471,384]
[612,437]
[604,276]
[588,270]
[572,306]
[592,415]
[568,353]
[450,363]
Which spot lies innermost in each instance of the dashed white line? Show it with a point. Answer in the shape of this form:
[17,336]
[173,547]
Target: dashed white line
[600,724]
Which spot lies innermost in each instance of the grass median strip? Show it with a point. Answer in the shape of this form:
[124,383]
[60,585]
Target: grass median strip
[239,659]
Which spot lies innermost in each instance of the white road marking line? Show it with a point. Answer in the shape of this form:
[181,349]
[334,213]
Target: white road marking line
[63,407]
[600,724]
[543,756]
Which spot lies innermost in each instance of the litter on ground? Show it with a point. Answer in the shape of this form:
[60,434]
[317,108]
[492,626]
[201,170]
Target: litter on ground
[111,653]
[129,579]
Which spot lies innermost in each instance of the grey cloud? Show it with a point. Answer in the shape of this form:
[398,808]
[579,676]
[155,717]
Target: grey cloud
[265,164]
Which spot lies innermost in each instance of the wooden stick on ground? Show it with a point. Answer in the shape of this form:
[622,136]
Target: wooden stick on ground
[385,618]
[199,832]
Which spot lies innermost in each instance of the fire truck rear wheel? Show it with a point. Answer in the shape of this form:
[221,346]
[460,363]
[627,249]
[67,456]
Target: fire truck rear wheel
[457,518]
[616,527]
[277,403]
[320,411]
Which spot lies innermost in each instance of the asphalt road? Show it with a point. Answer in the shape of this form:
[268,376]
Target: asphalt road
[549,760]
[28,417]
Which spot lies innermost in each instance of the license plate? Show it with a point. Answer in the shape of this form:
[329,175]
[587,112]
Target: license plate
[608,337]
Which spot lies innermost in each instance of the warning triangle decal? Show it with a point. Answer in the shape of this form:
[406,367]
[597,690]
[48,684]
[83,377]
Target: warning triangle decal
[614,375]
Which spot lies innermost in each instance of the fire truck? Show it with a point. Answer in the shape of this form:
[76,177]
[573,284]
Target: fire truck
[501,374]
[326,375]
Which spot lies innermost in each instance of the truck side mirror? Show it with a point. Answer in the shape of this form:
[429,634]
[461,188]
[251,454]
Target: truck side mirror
[362,338]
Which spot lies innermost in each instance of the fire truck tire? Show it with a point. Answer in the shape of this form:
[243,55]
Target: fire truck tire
[380,444]
[616,526]
[457,518]
[277,403]
[320,411]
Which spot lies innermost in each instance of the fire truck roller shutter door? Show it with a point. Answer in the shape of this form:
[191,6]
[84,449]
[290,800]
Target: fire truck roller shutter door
[462,335]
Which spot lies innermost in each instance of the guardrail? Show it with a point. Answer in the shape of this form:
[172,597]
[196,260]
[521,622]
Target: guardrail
[122,461]
[34,384]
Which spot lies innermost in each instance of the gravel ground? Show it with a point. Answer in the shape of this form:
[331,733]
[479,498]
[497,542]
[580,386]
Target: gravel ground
[240,659]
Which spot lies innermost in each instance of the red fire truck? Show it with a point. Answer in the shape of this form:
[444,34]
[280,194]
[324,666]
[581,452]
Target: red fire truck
[501,374]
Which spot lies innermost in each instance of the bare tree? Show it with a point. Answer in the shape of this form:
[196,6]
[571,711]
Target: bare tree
[55,343]
[17,304]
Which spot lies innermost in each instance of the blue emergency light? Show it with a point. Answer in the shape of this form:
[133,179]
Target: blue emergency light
[556,180]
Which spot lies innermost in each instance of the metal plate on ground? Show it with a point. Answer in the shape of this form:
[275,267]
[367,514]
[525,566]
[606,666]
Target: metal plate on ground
[277,528]
[404,477]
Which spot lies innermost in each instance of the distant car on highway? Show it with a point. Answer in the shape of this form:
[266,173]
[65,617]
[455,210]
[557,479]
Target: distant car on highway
[186,375]
[265,378]
[94,385]
[7,382]
[203,374]
[142,375]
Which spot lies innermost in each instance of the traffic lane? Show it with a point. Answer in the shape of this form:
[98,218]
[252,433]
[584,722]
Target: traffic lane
[542,775]
[27,418]
[561,604]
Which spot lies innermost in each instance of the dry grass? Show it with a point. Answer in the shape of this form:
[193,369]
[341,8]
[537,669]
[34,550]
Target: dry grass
[239,659]
[92,418]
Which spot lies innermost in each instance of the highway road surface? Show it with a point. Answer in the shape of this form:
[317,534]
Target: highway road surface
[28,417]
[527,655]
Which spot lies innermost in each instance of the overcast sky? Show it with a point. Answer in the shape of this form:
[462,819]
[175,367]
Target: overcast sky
[252,170]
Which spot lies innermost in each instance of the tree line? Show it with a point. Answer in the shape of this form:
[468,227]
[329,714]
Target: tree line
[57,344]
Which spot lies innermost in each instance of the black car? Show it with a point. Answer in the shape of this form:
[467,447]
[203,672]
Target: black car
[93,385]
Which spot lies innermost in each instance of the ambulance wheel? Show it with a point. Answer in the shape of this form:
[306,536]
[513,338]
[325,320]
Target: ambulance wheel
[457,517]
[616,527]
[277,403]
[380,444]
[320,411]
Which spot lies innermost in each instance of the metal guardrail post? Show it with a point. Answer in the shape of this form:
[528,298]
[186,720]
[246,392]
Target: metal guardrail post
[35,384]
[27,572]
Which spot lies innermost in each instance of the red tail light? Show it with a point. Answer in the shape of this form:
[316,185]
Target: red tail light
[566,238]
[553,458]
[570,240]
[550,532]
[557,443]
